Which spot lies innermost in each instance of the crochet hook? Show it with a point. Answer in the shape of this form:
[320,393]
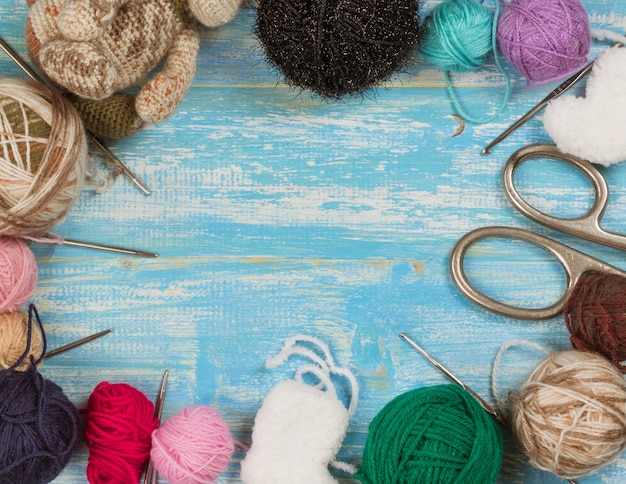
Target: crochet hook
[456,380]
[75,344]
[15,57]
[563,87]
[158,411]
[488,408]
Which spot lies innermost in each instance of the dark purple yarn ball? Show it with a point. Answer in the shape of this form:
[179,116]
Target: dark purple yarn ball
[338,47]
[38,428]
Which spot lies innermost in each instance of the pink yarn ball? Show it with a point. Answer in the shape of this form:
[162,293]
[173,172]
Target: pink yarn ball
[192,447]
[545,40]
[18,274]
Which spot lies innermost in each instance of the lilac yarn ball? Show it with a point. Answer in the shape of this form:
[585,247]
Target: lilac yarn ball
[544,40]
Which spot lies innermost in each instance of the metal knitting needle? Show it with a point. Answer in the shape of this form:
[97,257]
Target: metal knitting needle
[107,152]
[158,410]
[75,344]
[488,408]
[566,85]
[15,57]
[109,248]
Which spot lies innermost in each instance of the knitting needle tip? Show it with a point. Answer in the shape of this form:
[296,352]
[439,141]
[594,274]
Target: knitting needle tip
[109,154]
[109,248]
[77,343]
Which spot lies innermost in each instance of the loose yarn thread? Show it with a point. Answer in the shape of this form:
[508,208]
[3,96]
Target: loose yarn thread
[595,315]
[18,274]
[568,416]
[193,446]
[43,158]
[437,434]
[544,41]
[337,48]
[119,421]
[457,36]
[38,423]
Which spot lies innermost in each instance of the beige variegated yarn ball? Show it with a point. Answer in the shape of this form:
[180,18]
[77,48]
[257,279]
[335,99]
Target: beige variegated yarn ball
[568,416]
[14,329]
[43,158]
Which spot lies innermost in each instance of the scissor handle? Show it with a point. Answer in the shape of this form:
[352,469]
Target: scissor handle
[574,262]
[587,226]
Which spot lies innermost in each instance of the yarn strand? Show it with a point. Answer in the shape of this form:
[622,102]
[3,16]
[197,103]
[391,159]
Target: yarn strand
[459,34]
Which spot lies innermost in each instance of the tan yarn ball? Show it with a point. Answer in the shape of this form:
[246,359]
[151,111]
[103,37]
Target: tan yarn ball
[568,416]
[14,340]
[43,158]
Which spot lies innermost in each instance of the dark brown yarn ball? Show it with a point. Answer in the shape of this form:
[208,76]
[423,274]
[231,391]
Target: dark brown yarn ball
[596,316]
[338,47]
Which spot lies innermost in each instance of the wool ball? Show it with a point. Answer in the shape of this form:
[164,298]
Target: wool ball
[14,329]
[119,422]
[338,47]
[18,274]
[193,447]
[568,416]
[44,160]
[545,41]
[38,428]
[437,434]
[457,35]
[595,315]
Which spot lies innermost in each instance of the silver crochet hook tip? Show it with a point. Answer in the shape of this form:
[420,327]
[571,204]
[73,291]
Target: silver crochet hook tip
[560,89]
[488,408]
[158,411]
[22,64]
[75,344]
[108,248]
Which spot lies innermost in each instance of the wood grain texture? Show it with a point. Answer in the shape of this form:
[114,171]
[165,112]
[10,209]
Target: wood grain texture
[274,213]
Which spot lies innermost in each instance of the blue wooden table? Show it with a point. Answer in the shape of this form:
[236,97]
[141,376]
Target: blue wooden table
[275,213]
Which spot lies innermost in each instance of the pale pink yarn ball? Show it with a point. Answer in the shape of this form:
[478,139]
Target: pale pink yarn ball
[18,274]
[193,447]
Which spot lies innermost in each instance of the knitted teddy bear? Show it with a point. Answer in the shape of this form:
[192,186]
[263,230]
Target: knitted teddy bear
[93,49]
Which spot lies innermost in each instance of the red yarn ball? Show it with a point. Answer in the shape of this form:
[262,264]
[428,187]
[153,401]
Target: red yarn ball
[118,429]
[595,316]
[18,274]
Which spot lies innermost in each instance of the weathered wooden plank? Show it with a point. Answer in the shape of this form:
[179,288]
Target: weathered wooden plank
[275,213]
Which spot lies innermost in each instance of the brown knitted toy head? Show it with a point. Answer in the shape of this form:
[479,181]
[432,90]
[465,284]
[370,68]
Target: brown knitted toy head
[94,49]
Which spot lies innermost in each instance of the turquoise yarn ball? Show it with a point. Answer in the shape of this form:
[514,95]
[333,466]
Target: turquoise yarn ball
[457,35]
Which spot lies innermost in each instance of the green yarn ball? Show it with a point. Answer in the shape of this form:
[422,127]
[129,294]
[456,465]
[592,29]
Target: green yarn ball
[457,35]
[433,435]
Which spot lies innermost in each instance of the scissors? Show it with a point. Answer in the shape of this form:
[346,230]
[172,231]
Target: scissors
[575,263]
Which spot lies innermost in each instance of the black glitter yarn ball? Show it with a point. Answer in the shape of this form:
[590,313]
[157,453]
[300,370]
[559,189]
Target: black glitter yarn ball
[338,47]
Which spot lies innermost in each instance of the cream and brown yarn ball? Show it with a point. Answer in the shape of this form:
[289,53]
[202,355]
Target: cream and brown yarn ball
[14,341]
[568,416]
[43,158]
